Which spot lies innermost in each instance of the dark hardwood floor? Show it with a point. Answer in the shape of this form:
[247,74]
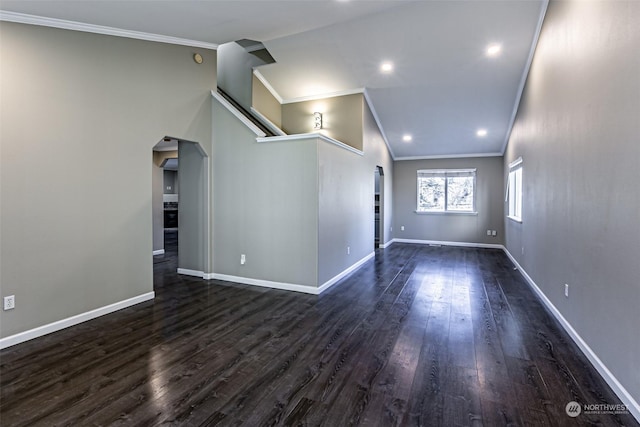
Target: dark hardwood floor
[419,336]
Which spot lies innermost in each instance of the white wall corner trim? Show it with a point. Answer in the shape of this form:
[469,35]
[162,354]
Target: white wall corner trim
[329,283]
[42,21]
[233,110]
[158,252]
[445,243]
[73,320]
[632,405]
[267,283]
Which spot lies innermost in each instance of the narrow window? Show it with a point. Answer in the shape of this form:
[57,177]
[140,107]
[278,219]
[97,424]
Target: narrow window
[447,190]
[514,190]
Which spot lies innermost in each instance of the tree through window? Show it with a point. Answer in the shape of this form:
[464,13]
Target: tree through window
[448,190]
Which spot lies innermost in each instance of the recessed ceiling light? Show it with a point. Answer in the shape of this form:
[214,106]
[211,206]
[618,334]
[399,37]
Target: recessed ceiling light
[386,67]
[494,49]
[481,132]
[407,138]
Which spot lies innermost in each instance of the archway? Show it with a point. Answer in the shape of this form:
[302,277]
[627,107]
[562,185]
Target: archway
[185,198]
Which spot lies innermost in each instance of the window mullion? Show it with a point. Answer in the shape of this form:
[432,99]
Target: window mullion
[446,193]
[434,192]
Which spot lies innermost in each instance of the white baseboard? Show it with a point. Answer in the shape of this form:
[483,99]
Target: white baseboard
[73,320]
[291,286]
[187,272]
[446,243]
[158,252]
[632,405]
[267,283]
[386,245]
[326,285]
[196,273]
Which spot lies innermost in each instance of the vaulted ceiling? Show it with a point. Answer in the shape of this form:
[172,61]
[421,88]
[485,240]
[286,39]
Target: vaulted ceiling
[444,87]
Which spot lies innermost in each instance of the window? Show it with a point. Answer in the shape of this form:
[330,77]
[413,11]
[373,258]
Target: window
[448,190]
[514,190]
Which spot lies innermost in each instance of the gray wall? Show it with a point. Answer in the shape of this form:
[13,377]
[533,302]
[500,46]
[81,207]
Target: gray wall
[342,118]
[235,72]
[345,194]
[266,103]
[74,106]
[577,131]
[265,205]
[293,207]
[451,227]
[376,153]
[193,216]
[170,181]
[346,198]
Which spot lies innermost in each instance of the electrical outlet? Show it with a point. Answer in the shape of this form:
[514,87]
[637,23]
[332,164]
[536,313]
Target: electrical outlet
[488,232]
[402,228]
[566,290]
[494,233]
[243,259]
[9,302]
[348,250]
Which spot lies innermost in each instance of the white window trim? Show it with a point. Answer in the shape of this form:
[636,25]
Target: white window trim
[446,212]
[515,219]
[444,173]
[516,164]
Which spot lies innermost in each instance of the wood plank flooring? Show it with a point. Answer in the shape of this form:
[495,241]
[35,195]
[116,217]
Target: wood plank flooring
[420,336]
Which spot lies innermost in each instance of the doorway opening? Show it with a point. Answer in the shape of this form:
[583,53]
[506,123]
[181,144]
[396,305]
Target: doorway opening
[165,204]
[378,207]
[180,205]
[170,204]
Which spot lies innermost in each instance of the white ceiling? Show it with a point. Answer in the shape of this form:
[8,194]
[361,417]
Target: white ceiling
[443,87]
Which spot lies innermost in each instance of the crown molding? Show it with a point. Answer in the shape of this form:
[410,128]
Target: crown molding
[42,21]
[266,84]
[525,75]
[281,100]
[363,91]
[449,156]
[324,96]
[374,113]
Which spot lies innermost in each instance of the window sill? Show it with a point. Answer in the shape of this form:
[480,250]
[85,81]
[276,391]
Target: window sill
[446,213]
[515,219]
